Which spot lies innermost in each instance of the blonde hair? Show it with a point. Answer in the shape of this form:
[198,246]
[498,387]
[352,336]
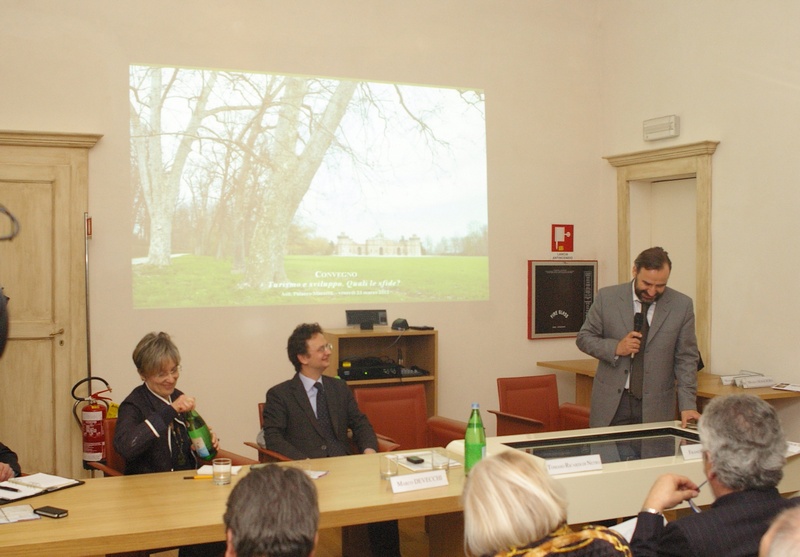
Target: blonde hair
[510,501]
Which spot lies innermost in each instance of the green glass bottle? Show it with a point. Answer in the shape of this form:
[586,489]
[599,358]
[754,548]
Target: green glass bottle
[474,439]
[200,435]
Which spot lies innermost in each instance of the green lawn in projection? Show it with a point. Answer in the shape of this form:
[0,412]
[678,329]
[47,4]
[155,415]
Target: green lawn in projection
[192,281]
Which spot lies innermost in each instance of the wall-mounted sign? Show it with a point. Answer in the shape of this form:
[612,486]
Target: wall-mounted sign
[562,238]
[560,294]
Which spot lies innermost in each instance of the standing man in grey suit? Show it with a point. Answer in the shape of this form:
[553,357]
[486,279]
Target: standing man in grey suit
[611,333]
[308,417]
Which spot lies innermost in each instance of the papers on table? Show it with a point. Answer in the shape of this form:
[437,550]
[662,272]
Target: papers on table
[208,470]
[402,459]
[17,513]
[787,387]
[34,484]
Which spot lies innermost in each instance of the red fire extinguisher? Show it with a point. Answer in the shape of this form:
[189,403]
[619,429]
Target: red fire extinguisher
[93,412]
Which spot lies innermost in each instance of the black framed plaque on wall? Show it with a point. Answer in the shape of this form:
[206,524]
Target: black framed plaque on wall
[560,294]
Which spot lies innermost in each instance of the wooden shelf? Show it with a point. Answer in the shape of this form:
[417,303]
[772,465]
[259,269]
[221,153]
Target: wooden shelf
[418,348]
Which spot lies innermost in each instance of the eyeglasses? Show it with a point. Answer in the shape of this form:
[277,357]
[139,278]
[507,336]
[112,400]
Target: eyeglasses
[324,347]
[161,375]
[691,502]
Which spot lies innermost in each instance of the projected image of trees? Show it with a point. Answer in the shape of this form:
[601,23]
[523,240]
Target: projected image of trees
[256,189]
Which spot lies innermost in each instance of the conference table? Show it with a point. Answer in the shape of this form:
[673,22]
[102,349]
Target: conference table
[708,384]
[150,511]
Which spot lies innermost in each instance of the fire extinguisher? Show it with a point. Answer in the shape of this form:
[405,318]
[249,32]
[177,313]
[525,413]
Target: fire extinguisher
[94,410]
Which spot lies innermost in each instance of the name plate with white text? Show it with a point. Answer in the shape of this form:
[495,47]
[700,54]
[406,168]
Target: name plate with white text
[573,464]
[692,452]
[420,480]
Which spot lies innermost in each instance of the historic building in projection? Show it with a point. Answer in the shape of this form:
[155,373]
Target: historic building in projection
[379,246]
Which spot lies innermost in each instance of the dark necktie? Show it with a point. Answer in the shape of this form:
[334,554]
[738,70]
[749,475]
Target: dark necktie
[637,365]
[323,416]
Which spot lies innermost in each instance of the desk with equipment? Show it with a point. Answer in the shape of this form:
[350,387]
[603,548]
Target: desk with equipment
[128,513]
[708,384]
[619,487]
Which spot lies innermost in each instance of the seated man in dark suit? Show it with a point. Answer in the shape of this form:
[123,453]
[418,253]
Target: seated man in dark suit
[9,464]
[744,452]
[272,511]
[308,417]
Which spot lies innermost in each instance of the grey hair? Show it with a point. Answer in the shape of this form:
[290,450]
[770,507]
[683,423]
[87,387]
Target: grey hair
[744,440]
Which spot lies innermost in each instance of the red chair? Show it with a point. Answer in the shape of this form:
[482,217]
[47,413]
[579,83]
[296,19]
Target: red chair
[529,404]
[401,412]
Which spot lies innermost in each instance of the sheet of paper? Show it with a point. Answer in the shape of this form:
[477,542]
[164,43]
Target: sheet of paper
[208,470]
[11,491]
[424,465]
[43,481]
[17,513]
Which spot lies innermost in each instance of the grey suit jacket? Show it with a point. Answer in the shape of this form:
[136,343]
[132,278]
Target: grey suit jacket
[291,427]
[670,356]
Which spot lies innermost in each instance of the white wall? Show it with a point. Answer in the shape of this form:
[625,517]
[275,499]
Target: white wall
[566,82]
[65,68]
[731,71]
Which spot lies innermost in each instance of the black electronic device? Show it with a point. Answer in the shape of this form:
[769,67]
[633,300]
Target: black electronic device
[366,318]
[399,324]
[51,512]
[413,459]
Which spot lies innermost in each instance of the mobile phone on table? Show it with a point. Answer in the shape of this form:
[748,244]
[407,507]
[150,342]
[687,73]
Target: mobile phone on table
[51,512]
[413,459]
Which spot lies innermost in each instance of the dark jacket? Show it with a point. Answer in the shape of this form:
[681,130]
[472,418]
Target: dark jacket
[732,527]
[142,430]
[291,427]
[10,457]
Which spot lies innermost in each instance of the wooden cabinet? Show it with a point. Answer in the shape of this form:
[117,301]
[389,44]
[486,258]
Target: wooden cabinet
[418,348]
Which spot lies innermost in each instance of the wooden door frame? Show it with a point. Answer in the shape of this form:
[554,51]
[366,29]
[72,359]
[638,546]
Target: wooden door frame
[71,153]
[692,160]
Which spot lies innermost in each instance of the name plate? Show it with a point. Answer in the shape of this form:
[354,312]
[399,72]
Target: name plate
[692,452]
[420,480]
[573,464]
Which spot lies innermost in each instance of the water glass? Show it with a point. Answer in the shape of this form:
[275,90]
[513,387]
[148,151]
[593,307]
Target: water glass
[388,465]
[221,471]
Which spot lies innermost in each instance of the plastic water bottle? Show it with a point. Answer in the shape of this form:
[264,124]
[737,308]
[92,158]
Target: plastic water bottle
[474,439]
[200,435]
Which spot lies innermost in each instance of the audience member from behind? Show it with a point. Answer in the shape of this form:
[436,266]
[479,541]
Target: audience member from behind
[743,456]
[513,507]
[273,512]
[9,464]
[783,537]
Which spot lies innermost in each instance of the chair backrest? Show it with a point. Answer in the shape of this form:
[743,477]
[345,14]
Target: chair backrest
[261,415]
[399,412]
[573,416]
[113,458]
[532,396]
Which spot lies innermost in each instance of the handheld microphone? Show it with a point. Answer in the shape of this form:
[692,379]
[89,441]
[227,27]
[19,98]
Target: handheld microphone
[638,322]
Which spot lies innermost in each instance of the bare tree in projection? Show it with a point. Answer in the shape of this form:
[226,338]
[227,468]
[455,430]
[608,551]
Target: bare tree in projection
[238,152]
[160,178]
[295,163]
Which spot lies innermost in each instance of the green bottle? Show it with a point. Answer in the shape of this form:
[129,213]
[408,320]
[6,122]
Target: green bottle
[200,435]
[474,439]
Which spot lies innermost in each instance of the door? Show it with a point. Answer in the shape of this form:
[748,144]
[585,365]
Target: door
[43,184]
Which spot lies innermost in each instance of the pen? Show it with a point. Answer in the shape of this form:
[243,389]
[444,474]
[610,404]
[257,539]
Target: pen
[198,477]
[14,489]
